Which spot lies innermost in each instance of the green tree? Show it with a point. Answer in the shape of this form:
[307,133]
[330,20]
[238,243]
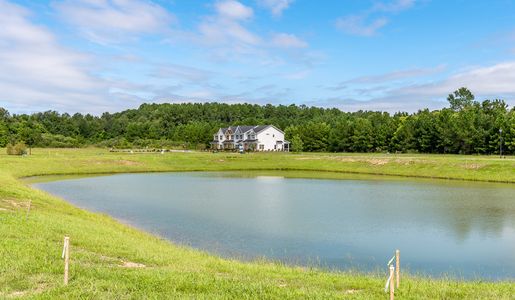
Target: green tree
[315,136]
[30,134]
[460,99]
[296,144]
[363,136]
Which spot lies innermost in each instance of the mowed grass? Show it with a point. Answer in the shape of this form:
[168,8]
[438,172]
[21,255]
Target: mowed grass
[113,260]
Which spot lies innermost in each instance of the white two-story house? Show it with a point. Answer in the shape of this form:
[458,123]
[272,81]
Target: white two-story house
[250,138]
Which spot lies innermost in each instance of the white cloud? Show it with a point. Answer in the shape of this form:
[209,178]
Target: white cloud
[228,37]
[276,7]
[108,21]
[37,73]
[285,40]
[494,81]
[225,27]
[392,76]
[358,25]
[232,9]
[394,6]
[490,81]
[182,72]
[368,22]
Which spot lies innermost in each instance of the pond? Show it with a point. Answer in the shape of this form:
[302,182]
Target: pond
[443,228]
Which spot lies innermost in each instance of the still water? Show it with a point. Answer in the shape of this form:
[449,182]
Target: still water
[443,228]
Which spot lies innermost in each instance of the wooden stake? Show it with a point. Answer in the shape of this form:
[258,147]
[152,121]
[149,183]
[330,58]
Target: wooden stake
[66,252]
[398,267]
[28,209]
[392,288]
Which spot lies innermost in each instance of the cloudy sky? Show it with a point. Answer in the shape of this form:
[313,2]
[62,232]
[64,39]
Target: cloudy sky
[108,55]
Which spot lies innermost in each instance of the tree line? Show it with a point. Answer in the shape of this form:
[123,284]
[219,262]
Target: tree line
[467,126]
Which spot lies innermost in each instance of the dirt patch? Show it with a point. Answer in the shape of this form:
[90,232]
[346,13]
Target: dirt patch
[342,159]
[16,294]
[128,163]
[41,287]
[112,261]
[473,166]
[378,162]
[121,162]
[129,264]
[372,161]
[308,158]
[14,203]
[351,291]
[405,162]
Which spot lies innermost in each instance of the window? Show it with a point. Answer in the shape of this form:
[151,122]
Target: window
[221,137]
[261,147]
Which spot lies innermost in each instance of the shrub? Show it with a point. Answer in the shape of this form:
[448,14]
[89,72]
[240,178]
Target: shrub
[58,141]
[118,142]
[17,149]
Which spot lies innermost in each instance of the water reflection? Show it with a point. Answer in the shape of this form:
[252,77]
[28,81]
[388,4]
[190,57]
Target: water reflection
[440,226]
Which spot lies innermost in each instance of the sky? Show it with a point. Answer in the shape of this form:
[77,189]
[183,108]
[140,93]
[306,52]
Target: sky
[92,56]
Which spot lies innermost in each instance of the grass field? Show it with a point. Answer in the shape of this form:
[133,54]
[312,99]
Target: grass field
[112,260]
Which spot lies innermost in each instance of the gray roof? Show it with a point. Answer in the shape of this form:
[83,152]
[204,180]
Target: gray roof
[226,128]
[260,128]
[245,128]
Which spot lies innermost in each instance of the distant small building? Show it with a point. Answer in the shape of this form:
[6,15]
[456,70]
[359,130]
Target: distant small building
[250,138]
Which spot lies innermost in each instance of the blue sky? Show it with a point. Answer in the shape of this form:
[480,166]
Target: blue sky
[108,55]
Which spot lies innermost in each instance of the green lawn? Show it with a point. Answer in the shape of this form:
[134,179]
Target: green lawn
[104,251]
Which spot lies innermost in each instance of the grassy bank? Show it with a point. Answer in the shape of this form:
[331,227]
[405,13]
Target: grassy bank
[112,260]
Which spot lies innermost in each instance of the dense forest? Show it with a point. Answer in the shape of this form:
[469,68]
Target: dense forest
[467,126]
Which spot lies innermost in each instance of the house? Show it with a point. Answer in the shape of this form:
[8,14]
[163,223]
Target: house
[250,138]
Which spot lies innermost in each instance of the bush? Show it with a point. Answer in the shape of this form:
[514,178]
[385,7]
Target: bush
[118,143]
[18,149]
[58,141]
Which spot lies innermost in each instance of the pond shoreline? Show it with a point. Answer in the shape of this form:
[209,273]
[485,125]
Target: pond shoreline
[37,177]
[169,265]
[409,201]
